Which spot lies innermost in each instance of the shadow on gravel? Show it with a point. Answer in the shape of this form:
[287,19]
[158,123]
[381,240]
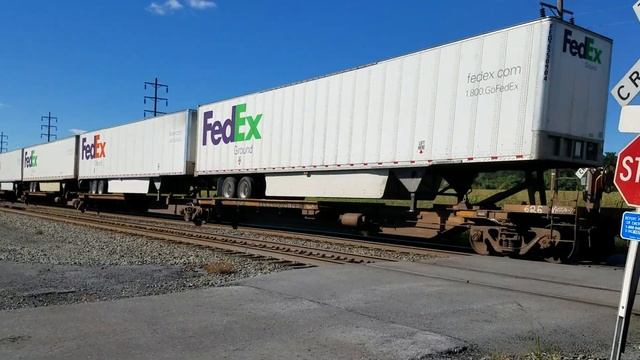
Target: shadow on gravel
[33,285]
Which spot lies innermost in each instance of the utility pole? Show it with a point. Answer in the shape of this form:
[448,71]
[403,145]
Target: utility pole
[48,126]
[155,97]
[4,142]
[560,7]
[557,10]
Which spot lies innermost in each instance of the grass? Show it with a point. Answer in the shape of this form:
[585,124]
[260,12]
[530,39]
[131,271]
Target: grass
[530,356]
[219,267]
[611,200]
[538,353]
[534,355]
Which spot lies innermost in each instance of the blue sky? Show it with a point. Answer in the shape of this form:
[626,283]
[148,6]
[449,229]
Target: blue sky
[86,61]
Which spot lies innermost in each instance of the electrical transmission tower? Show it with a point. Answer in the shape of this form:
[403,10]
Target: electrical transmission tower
[48,126]
[155,97]
[4,142]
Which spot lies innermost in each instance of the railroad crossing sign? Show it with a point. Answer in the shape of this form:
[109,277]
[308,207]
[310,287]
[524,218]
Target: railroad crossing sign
[627,173]
[628,87]
[636,8]
[630,119]
[580,173]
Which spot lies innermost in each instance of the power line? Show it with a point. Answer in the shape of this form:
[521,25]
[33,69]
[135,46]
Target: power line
[4,144]
[155,97]
[48,126]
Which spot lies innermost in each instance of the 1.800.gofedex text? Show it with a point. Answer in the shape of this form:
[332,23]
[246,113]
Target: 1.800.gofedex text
[493,89]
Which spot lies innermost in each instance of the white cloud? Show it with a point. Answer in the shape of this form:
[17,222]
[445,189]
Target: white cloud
[77,131]
[165,7]
[169,6]
[201,4]
[174,4]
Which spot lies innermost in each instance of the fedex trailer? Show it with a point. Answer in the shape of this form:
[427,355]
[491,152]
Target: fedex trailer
[138,157]
[10,173]
[529,96]
[51,167]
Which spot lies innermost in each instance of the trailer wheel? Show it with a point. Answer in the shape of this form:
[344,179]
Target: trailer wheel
[102,187]
[245,187]
[93,187]
[229,187]
[219,186]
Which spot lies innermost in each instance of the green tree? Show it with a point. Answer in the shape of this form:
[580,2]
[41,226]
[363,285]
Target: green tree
[610,159]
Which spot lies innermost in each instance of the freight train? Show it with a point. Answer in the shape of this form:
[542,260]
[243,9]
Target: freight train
[531,97]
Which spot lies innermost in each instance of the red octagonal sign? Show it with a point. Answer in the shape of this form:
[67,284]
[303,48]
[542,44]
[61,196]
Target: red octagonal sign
[627,178]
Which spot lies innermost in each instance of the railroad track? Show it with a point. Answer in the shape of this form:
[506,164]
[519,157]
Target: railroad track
[390,243]
[315,236]
[289,254]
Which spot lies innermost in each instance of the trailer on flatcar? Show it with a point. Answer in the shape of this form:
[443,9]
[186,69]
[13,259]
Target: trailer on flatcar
[127,162]
[50,171]
[426,124]
[10,174]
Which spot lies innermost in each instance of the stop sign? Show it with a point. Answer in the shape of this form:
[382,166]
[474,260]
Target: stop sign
[627,178]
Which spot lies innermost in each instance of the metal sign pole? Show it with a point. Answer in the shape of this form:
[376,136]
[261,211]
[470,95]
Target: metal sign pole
[627,297]
[624,92]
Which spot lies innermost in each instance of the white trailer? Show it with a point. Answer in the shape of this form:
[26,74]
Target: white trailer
[10,169]
[535,92]
[129,156]
[48,166]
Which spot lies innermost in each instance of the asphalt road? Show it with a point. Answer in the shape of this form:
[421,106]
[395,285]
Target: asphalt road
[379,311]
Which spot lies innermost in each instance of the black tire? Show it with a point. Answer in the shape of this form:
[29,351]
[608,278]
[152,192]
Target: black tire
[246,188]
[219,186]
[93,187]
[102,187]
[229,187]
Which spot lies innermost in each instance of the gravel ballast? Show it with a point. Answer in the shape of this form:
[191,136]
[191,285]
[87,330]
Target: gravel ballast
[46,262]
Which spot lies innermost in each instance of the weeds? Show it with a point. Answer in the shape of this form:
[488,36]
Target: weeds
[219,267]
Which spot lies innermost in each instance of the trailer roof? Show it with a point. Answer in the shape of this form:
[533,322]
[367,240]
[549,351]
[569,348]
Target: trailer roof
[440,45]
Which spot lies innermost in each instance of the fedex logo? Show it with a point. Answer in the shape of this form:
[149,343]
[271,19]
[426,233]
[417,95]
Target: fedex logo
[583,50]
[30,159]
[237,128]
[94,150]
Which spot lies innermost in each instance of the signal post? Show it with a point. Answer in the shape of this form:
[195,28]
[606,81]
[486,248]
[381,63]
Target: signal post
[627,180]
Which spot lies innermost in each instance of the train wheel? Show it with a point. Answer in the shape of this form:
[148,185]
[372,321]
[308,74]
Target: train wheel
[478,243]
[245,188]
[560,254]
[229,187]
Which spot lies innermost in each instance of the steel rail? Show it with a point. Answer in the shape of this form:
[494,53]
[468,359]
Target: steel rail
[283,232]
[300,260]
[271,249]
